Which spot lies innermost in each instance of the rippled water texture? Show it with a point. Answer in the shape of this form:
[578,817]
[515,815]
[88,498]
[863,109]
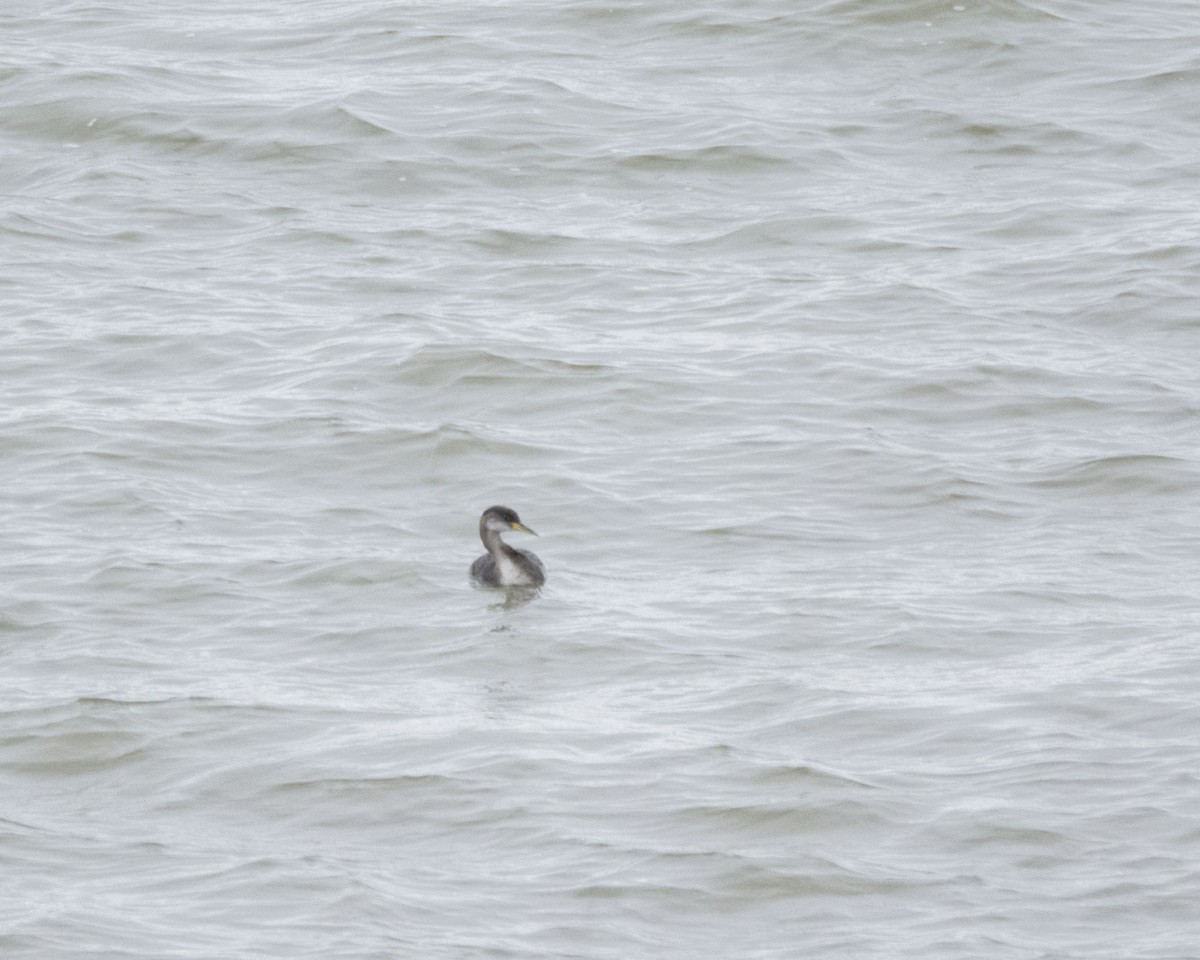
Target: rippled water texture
[844,355]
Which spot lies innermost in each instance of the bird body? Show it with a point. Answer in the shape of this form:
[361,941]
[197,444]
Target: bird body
[502,565]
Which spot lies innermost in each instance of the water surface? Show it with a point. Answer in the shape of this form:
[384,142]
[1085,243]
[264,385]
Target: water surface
[843,356]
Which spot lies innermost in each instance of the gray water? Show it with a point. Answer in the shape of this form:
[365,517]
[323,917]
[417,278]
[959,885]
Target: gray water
[845,356]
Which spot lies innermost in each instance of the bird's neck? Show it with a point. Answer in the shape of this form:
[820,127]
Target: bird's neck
[491,540]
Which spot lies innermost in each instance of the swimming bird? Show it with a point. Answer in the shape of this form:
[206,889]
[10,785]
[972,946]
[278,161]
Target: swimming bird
[502,565]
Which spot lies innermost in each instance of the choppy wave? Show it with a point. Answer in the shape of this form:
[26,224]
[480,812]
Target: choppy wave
[842,357]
